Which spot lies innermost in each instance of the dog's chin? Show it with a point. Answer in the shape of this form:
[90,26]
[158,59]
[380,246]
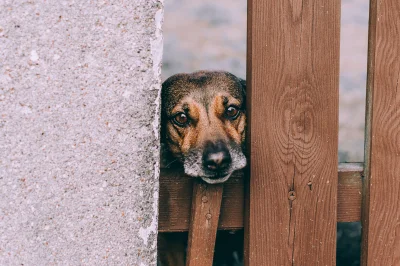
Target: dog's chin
[218,180]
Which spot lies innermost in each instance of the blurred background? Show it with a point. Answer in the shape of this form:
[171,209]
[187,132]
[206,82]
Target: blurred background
[211,34]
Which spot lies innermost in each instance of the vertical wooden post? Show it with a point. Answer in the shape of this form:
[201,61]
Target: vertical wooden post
[206,204]
[381,195]
[293,76]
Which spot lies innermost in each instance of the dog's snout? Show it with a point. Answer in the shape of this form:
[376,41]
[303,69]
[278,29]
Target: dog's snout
[216,157]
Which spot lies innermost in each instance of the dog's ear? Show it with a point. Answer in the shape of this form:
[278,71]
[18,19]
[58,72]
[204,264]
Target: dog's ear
[165,156]
[164,88]
[243,84]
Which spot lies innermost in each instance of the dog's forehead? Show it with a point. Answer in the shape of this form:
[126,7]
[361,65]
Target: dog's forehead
[200,86]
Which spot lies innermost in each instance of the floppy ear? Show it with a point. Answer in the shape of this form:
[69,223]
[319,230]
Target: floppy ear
[243,83]
[165,156]
[164,87]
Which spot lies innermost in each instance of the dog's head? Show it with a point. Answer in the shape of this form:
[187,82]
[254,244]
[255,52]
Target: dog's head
[204,121]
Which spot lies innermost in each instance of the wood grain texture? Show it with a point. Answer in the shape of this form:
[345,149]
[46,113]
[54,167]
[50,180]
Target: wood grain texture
[293,74]
[349,192]
[176,197]
[206,205]
[381,197]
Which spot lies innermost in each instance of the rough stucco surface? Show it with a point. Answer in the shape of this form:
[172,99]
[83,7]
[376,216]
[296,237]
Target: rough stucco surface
[79,148]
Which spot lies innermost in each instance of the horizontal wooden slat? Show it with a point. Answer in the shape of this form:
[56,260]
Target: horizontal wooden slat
[349,192]
[176,198]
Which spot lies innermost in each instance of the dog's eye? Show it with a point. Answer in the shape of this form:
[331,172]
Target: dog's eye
[232,112]
[180,119]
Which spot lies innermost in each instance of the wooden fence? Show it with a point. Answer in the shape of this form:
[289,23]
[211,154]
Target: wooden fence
[294,193]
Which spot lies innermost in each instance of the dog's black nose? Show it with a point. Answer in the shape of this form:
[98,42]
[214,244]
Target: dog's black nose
[216,157]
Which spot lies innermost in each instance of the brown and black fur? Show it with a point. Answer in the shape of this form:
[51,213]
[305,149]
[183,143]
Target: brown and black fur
[204,98]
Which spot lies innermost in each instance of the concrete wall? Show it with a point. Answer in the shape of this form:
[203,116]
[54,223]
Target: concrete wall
[79,128]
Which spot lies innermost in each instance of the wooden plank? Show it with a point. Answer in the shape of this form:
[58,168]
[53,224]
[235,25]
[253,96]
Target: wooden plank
[293,74]
[206,205]
[349,192]
[381,202]
[176,197]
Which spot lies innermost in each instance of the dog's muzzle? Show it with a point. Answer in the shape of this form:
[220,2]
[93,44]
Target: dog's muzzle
[216,158]
[215,162]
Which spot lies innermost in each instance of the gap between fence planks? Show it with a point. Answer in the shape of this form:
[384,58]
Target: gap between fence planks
[176,197]
[381,196]
[206,205]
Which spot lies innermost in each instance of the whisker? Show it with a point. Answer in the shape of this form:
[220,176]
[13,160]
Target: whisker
[171,162]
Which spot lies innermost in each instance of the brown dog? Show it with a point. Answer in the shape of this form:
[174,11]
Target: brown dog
[203,123]
[203,126]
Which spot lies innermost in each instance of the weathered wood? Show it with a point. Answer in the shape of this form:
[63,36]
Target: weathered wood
[176,197]
[381,197]
[349,192]
[206,205]
[293,74]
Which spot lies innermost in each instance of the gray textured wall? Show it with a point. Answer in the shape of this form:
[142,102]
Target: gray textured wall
[79,148]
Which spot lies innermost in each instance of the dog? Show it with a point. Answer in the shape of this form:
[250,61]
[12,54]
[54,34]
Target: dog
[203,118]
[203,126]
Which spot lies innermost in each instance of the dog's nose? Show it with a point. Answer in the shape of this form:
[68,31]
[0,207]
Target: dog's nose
[216,157]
